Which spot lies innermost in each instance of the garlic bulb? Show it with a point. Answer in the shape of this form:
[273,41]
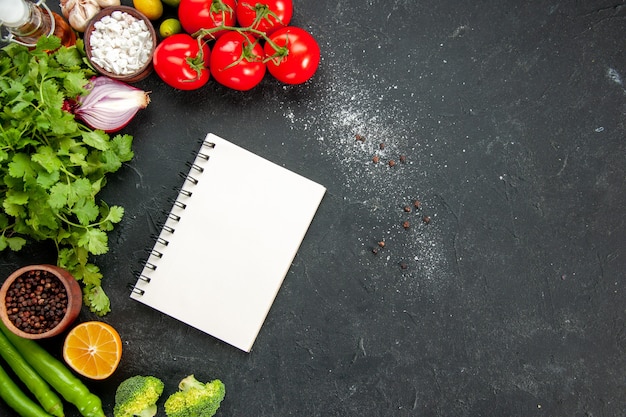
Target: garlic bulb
[107,3]
[79,12]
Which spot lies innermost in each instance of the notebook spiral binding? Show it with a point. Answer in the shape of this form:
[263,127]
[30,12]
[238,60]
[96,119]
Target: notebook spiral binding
[154,252]
[133,288]
[188,177]
[159,240]
[173,216]
[198,168]
[182,192]
[177,203]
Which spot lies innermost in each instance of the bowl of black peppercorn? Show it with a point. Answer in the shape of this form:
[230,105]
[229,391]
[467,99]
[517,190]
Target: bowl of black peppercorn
[39,301]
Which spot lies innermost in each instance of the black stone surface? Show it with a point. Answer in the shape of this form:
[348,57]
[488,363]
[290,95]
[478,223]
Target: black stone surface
[510,302]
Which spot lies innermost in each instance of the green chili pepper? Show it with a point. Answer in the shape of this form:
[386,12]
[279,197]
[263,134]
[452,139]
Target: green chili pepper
[57,375]
[48,399]
[17,400]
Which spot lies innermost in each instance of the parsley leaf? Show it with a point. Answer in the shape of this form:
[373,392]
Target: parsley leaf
[52,167]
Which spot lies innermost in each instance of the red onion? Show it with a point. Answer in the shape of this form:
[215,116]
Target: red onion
[110,104]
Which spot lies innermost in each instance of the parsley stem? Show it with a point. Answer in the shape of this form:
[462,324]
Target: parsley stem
[59,161]
[80,226]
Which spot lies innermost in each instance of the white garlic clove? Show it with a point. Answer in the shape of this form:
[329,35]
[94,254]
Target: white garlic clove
[81,13]
[66,7]
[107,3]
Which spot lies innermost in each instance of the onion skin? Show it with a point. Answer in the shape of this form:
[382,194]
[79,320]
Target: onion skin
[110,104]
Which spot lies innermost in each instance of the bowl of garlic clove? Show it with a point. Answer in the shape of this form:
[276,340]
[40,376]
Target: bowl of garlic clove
[120,42]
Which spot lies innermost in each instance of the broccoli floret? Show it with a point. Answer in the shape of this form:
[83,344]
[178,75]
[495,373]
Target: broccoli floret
[137,396]
[195,399]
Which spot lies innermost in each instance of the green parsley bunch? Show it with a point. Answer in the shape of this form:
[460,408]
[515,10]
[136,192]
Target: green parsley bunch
[51,165]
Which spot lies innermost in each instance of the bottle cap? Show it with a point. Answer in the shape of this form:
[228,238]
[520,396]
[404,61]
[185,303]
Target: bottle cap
[13,13]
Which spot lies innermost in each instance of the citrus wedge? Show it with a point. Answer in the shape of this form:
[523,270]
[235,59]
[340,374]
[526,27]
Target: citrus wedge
[93,349]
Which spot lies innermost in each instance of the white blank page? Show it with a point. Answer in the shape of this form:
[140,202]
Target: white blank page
[221,268]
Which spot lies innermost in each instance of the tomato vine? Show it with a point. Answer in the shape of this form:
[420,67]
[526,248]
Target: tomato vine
[264,42]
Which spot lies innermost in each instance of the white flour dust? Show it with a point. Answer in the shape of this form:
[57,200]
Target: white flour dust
[614,76]
[350,127]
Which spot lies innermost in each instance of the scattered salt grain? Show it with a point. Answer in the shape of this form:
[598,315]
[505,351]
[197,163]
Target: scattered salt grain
[120,43]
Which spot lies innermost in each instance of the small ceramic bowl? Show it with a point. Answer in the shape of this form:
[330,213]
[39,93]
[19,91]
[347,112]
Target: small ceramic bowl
[39,301]
[127,59]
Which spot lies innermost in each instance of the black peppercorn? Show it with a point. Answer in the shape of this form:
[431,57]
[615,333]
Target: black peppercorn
[36,301]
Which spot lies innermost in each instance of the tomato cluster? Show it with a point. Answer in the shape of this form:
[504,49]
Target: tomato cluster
[236,43]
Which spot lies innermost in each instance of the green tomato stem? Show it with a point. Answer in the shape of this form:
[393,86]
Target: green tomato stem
[202,33]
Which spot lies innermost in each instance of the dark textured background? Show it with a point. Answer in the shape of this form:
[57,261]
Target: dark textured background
[512,300]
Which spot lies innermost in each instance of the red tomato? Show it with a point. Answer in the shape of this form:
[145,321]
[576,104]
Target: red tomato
[237,61]
[264,15]
[206,14]
[294,53]
[178,62]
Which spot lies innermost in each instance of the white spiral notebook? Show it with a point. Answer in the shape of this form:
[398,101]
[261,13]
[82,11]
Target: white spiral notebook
[228,242]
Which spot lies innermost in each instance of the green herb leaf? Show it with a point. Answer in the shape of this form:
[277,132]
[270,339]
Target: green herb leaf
[71,58]
[14,243]
[95,297]
[122,145]
[115,214]
[20,166]
[47,158]
[86,211]
[96,139]
[95,240]
[52,167]
[46,44]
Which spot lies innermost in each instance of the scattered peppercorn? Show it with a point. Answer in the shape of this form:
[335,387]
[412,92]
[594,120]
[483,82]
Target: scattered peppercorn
[375,251]
[375,159]
[426,219]
[36,302]
[407,209]
[392,163]
[403,265]
[360,138]
[381,243]
[381,146]
[417,204]
[402,159]
[406,224]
